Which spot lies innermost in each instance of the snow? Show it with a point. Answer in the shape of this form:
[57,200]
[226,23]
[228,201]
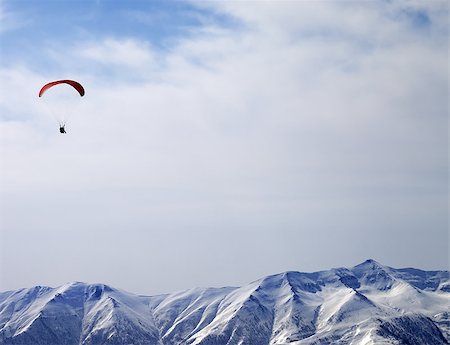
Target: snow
[362,305]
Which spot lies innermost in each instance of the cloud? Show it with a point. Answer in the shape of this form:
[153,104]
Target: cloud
[309,126]
[5,17]
[10,20]
[125,53]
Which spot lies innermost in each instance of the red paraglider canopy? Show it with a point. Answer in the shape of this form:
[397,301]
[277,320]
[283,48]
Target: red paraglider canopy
[77,86]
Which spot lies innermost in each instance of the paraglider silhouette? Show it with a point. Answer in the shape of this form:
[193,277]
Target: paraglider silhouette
[76,85]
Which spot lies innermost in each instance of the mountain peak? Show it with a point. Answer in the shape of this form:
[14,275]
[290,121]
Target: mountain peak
[373,273]
[367,266]
[370,263]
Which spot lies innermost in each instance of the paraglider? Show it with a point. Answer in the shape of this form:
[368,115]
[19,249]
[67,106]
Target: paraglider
[74,84]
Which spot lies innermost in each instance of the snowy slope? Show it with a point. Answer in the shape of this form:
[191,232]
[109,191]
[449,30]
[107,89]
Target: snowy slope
[75,314]
[362,305]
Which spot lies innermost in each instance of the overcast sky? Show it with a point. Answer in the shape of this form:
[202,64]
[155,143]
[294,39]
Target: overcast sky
[219,142]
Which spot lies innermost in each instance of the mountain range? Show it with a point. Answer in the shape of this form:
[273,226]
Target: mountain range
[362,305]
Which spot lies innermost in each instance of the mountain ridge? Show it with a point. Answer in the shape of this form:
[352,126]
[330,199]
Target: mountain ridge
[365,304]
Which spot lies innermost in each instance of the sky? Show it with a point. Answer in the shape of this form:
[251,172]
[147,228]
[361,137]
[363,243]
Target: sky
[219,142]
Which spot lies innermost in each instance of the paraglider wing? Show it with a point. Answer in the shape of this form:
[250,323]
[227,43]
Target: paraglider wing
[77,86]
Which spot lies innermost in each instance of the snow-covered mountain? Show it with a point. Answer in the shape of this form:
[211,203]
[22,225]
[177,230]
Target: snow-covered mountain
[366,304]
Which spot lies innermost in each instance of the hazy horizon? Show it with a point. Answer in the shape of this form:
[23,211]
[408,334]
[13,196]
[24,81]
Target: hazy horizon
[220,286]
